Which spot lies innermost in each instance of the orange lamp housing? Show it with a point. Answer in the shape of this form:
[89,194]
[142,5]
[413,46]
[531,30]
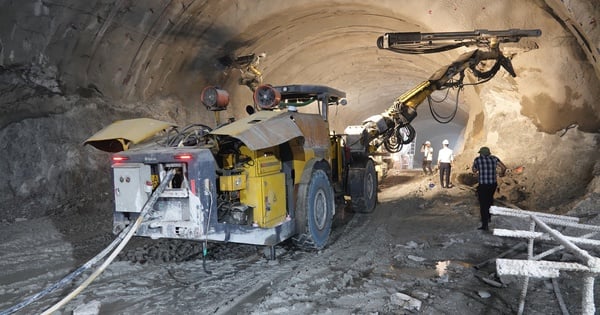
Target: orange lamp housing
[214,99]
[266,97]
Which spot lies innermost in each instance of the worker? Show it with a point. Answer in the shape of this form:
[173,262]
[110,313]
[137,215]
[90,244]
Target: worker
[485,165]
[445,159]
[427,151]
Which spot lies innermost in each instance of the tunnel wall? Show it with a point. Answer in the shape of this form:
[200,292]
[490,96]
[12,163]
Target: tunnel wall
[70,68]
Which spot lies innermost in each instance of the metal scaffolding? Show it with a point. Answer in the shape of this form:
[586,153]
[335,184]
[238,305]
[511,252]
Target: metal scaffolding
[535,267]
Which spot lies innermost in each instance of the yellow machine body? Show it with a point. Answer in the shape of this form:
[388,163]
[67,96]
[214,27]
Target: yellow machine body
[265,187]
[233,182]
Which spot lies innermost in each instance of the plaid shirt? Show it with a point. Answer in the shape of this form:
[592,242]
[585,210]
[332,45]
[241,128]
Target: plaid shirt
[486,166]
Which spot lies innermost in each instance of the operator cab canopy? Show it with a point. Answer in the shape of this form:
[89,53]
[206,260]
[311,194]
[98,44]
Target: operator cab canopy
[263,129]
[268,128]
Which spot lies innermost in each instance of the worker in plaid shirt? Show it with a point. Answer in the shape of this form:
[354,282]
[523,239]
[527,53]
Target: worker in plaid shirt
[485,165]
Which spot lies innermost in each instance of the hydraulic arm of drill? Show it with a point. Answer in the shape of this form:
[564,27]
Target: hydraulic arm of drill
[392,128]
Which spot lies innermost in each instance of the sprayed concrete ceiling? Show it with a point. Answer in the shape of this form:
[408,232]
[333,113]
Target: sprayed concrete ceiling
[162,53]
[133,50]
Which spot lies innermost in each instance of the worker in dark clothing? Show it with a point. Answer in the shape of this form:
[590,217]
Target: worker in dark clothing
[485,165]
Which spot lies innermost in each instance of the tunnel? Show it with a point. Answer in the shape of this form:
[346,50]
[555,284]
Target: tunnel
[70,68]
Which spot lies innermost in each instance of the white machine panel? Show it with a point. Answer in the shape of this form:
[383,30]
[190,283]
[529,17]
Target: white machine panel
[133,186]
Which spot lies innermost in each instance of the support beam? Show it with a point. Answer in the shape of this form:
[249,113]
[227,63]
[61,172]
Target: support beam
[536,269]
[543,236]
[526,214]
[589,260]
[533,267]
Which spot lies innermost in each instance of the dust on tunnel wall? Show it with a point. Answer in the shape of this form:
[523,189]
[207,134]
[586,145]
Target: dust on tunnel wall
[140,51]
[152,57]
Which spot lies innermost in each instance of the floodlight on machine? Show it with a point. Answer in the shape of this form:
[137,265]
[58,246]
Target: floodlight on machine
[267,97]
[214,99]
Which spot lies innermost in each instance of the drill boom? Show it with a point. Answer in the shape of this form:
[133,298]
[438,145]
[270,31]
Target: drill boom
[392,128]
[453,39]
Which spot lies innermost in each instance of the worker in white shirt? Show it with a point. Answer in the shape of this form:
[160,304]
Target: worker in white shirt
[445,159]
[427,151]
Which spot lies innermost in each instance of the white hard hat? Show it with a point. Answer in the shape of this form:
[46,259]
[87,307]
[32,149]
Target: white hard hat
[427,142]
[445,141]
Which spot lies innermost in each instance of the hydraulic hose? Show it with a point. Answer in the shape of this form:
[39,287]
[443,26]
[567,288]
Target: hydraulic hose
[69,277]
[121,240]
[208,193]
[149,204]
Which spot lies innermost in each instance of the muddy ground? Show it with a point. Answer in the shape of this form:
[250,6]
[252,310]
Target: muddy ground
[421,243]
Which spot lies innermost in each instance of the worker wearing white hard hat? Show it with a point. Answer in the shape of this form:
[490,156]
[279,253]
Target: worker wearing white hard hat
[445,159]
[427,151]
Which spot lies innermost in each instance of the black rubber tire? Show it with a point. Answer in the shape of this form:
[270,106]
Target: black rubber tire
[314,212]
[363,187]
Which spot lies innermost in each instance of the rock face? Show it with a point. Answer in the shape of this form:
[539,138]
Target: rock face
[68,70]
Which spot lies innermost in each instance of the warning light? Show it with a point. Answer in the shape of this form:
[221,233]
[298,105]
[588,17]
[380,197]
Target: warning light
[183,157]
[119,158]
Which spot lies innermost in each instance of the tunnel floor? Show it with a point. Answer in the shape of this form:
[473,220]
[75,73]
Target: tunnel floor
[419,242]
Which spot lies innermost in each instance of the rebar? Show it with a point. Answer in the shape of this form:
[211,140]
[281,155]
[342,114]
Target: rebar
[534,267]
